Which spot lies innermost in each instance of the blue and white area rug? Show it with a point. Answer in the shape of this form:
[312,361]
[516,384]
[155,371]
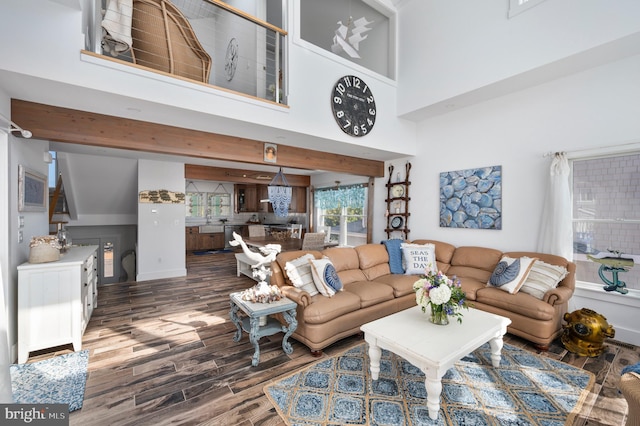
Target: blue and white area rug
[58,380]
[527,389]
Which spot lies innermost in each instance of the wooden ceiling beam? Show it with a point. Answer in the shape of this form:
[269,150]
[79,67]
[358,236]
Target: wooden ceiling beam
[85,128]
[196,172]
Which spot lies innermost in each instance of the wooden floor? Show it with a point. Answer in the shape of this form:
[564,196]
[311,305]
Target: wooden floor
[162,352]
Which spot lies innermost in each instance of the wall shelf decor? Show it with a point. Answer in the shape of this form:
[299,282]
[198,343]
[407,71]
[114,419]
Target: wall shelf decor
[398,204]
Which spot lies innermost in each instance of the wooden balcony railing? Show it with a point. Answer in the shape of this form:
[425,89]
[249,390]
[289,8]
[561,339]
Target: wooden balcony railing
[207,41]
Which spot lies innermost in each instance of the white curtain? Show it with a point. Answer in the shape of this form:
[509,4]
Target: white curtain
[556,234]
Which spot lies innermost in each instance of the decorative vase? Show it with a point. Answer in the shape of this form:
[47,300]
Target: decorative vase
[439,315]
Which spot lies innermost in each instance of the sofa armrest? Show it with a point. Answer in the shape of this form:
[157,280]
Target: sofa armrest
[558,295]
[299,296]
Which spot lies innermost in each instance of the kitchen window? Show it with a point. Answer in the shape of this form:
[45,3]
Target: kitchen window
[208,204]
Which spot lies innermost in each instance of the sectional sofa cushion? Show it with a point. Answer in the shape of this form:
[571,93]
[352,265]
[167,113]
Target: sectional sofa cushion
[373,260]
[369,292]
[401,284]
[299,272]
[542,278]
[347,264]
[510,273]
[324,309]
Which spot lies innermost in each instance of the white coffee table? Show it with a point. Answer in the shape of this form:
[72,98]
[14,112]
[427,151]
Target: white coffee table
[433,348]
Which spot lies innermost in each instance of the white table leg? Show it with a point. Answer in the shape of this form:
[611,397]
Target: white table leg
[434,389]
[375,353]
[496,350]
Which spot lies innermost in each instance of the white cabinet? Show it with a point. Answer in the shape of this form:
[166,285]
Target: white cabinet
[56,300]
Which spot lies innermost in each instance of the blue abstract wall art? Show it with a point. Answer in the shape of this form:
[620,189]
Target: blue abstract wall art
[471,198]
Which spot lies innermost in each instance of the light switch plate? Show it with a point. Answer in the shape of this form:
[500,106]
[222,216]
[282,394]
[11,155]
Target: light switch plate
[20,221]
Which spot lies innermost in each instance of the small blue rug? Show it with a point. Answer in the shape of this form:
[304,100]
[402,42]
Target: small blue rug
[527,389]
[58,380]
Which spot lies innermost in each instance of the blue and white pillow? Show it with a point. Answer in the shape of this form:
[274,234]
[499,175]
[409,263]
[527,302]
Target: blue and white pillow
[325,276]
[417,257]
[510,274]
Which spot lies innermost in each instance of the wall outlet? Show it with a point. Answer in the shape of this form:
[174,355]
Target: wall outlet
[20,236]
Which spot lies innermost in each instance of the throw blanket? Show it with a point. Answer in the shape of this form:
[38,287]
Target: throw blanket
[116,27]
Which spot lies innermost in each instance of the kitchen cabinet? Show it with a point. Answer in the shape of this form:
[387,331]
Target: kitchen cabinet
[211,241]
[298,199]
[246,196]
[203,241]
[56,300]
[191,238]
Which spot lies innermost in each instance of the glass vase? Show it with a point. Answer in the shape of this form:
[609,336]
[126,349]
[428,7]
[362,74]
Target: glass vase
[439,315]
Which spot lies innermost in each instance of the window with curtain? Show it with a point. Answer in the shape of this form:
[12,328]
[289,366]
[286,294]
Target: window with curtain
[606,214]
[343,210]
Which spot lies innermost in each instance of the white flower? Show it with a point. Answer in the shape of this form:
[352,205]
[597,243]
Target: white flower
[440,295]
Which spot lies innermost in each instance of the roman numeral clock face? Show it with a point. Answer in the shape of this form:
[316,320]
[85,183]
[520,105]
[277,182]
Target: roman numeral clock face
[353,105]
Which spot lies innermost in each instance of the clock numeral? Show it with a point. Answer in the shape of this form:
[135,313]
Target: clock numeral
[347,125]
[356,130]
[340,89]
[337,100]
[340,114]
[372,111]
[369,99]
[364,129]
[356,82]
[369,121]
[347,81]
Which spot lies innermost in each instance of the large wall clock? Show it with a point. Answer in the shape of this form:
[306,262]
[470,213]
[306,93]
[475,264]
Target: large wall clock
[353,105]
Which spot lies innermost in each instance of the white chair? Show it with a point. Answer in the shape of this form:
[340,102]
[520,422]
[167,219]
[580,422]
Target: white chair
[257,231]
[296,231]
[313,241]
[327,232]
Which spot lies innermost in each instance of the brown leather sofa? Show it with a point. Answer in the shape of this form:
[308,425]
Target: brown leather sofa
[372,292]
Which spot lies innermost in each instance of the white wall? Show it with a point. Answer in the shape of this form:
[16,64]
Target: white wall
[591,109]
[595,108]
[5,354]
[451,48]
[161,238]
[311,78]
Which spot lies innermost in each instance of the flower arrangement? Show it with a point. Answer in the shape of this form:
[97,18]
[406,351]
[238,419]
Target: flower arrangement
[442,294]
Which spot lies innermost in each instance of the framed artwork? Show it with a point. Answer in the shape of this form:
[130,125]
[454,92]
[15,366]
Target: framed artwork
[270,152]
[32,190]
[471,198]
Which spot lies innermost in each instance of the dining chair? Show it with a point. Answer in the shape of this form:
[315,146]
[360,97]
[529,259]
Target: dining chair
[327,232]
[296,230]
[257,231]
[313,241]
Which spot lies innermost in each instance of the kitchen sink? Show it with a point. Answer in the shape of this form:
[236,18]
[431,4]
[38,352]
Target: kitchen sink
[210,229]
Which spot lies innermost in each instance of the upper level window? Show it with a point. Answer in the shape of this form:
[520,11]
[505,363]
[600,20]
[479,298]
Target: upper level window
[353,30]
[519,6]
[606,214]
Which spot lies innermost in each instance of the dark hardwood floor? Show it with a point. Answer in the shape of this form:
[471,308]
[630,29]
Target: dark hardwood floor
[162,352]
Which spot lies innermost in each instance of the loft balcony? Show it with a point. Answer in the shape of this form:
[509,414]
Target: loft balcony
[204,41]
